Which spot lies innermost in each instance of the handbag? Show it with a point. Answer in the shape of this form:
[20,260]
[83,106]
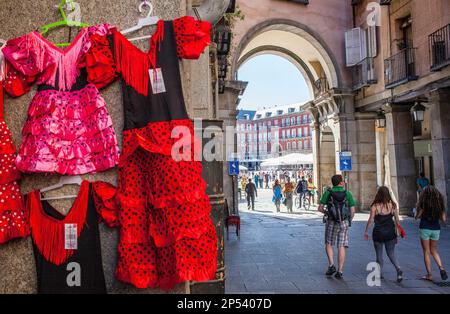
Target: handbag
[284,201]
[400,231]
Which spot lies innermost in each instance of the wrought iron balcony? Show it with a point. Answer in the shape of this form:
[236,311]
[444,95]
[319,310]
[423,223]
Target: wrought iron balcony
[439,44]
[400,68]
[363,74]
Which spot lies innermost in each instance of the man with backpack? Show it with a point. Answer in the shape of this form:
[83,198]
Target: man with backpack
[339,212]
[301,189]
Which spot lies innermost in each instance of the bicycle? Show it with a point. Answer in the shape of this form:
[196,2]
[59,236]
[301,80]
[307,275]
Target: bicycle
[305,201]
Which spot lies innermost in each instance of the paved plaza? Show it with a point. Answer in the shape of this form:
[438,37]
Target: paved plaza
[284,253]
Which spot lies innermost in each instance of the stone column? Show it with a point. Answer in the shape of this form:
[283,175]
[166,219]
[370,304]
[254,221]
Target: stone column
[401,155]
[227,112]
[440,136]
[365,160]
[380,142]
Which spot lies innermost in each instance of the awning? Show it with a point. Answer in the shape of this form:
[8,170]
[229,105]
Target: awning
[289,160]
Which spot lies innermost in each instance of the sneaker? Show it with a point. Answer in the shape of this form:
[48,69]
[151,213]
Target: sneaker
[331,270]
[444,275]
[399,275]
[339,275]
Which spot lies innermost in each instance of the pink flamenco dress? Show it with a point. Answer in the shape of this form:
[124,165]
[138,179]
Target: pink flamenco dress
[13,217]
[68,129]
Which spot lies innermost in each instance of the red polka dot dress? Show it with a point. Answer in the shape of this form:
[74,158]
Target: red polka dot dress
[167,236]
[13,217]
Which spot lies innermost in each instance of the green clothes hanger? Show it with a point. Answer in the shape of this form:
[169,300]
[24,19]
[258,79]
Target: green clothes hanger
[64,22]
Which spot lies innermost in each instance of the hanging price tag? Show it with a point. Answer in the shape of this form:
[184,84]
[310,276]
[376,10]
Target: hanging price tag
[157,81]
[70,238]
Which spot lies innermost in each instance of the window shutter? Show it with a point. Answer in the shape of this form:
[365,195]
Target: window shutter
[356,46]
[353,46]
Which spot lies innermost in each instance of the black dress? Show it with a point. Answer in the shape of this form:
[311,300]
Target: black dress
[67,262]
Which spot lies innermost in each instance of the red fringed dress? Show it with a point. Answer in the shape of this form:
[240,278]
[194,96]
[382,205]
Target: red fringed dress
[71,262]
[13,218]
[68,128]
[167,236]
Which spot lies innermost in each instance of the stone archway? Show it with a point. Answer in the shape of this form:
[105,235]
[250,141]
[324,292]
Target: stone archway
[299,37]
[289,37]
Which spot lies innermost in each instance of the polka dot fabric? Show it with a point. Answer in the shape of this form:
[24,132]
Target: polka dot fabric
[167,236]
[192,36]
[13,218]
[68,133]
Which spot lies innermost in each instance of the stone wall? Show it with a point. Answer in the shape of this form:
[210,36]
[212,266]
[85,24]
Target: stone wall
[17,269]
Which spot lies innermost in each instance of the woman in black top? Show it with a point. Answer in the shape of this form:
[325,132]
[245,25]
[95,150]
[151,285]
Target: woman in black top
[384,214]
[431,210]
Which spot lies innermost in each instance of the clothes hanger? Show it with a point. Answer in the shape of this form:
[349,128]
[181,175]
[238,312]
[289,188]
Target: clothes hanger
[2,59]
[142,22]
[70,5]
[64,180]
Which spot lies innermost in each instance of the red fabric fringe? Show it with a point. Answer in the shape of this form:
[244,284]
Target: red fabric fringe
[48,233]
[133,63]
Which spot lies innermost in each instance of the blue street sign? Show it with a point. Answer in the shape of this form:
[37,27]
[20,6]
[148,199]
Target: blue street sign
[233,168]
[345,161]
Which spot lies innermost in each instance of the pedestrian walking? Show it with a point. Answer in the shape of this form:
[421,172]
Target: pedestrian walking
[252,192]
[261,180]
[384,214]
[430,211]
[267,178]
[422,182]
[256,178]
[301,189]
[338,216]
[277,195]
[311,190]
[288,191]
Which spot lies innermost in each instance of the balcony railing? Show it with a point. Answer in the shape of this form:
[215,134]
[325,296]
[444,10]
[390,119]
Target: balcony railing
[364,74]
[400,68]
[439,45]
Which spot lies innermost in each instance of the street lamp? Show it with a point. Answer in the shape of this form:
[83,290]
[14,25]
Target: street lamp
[381,120]
[418,111]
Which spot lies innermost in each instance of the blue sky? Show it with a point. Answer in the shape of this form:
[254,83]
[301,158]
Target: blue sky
[272,80]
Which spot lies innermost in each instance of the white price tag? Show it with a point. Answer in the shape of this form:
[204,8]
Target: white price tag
[70,238]
[157,81]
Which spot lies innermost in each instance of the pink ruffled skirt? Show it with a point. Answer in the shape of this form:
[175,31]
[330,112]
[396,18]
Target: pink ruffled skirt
[68,133]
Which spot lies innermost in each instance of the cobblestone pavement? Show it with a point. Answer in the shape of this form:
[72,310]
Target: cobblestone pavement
[284,253]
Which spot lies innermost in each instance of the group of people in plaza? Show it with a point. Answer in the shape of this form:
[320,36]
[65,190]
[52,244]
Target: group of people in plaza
[338,206]
[283,187]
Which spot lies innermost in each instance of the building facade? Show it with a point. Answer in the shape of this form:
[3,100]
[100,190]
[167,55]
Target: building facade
[272,132]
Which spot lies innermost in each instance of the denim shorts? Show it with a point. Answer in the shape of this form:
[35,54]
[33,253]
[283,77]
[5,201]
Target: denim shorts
[427,234]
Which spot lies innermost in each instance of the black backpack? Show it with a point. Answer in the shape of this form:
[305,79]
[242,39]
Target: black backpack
[338,209]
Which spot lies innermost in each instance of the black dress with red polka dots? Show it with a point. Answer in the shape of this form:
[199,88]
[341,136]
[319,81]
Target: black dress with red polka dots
[167,236]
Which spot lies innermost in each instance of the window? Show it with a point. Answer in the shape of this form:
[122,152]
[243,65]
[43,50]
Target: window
[299,120]
[355,46]
[291,110]
[289,145]
[294,145]
[294,133]
[275,122]
[283,135]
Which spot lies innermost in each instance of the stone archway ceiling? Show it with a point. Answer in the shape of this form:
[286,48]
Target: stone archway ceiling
[295,40]
[286,54]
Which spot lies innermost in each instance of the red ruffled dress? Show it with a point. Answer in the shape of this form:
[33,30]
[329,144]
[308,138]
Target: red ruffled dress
[13,217]
[68,129]
[167,235]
